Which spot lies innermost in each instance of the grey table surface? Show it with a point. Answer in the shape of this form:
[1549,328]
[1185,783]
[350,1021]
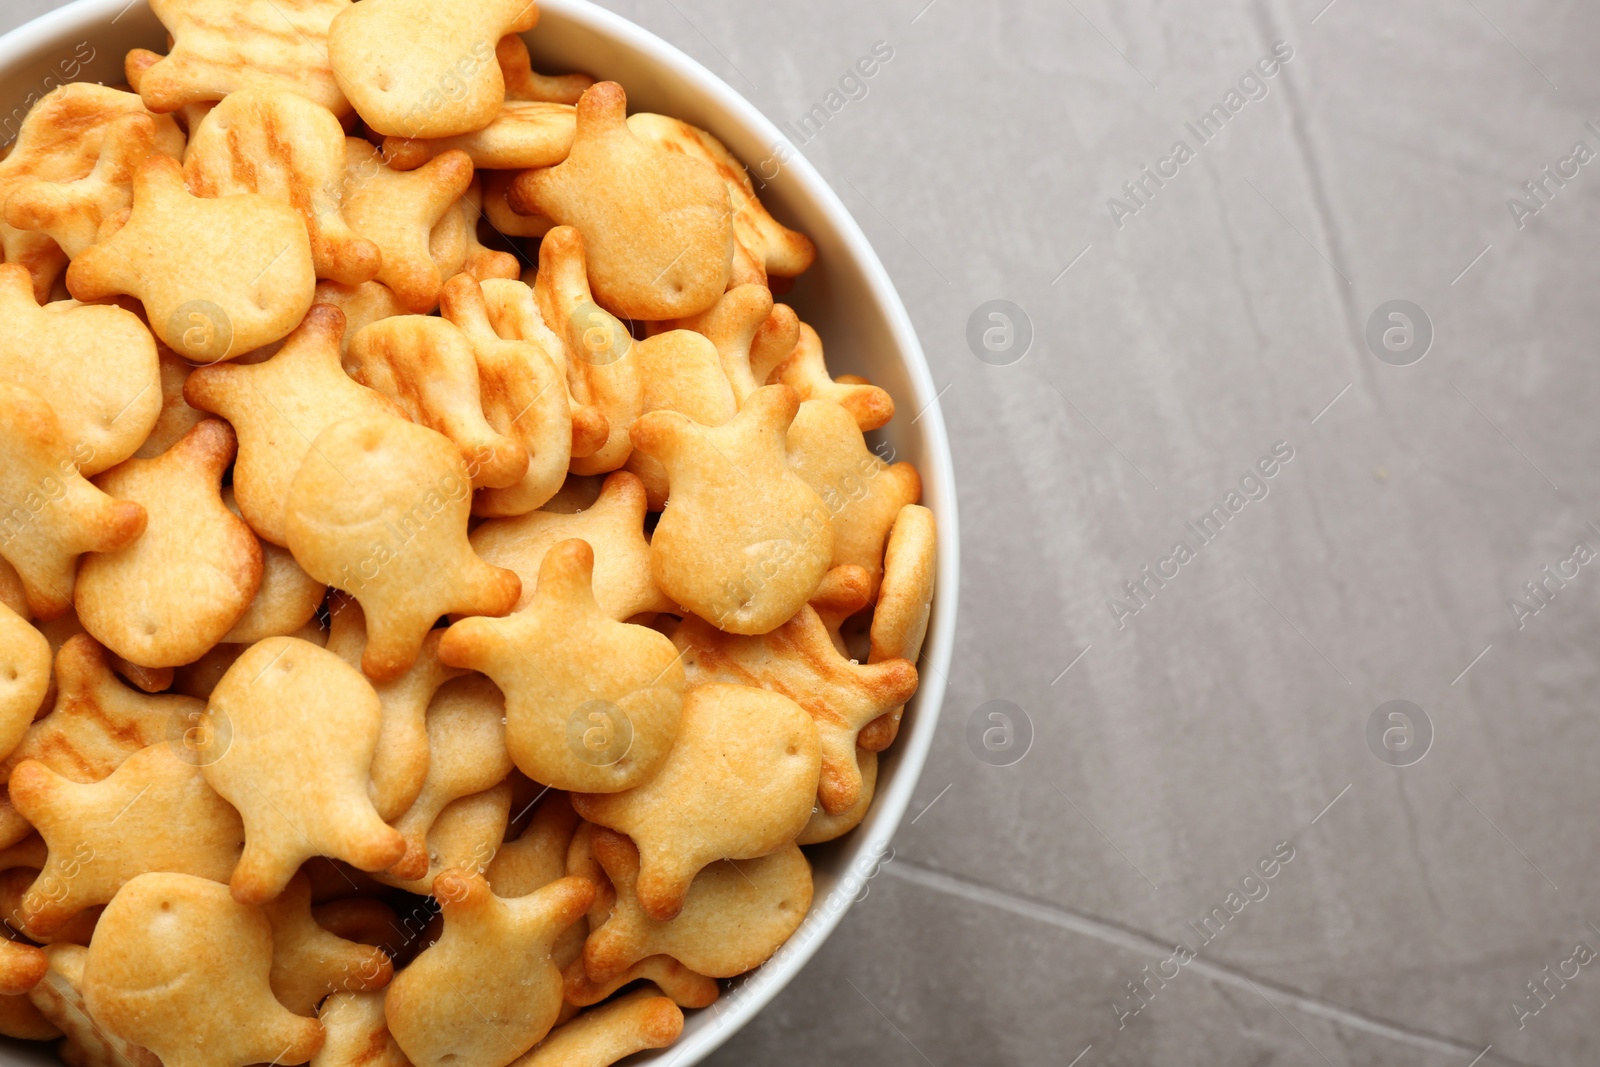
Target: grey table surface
[1177,339]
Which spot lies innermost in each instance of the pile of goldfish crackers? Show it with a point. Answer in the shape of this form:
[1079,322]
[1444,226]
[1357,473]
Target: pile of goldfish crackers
[442,592]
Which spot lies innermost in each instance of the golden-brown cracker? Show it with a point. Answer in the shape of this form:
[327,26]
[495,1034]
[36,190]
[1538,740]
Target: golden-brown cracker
[524,134]
[658,225]
[429,368]
[287,600]
[59,998]
[14,885]
[525,794]
[278,408]
[845,590]
[686,988]
[500,215]
[12,595]
[153,813]
[364,920]
[106,405]
[189,116]
[222,46]
[61,629]
[466,834]
[400,762]
[825,827]
[515,314]
[732,324]
[523,397]
[50,515]
[280,144]
[24,677]
[492,963]
[310,962]
[15,882]
[13,827]
[466,755]
[58,632]
[591,703]
[19,1018]
[334,880]
[739,783]
[181,968]
[431,931]
[21,967]
[764,247]
[682,371]
[799,660]
[455,247]
[905,601]
[805,371]
[398,210]
[538,856]
[745,542]
[736,915]
[80,931]
[610,1033]
[774,342]
[59,141]
[199,678]
[900,621]
[96,722]
[31,851]
[166,599]
[524,83]
[299,798]
[177,417]
[679,371]
[479,261]
[19,865]
[362,305]
[400,545]
[358,1033]
[613,526]
[581,863]
[149,679]
[862,492]
[449,242]
[602,363]
[218,278]
[578,494]
[78,212]
[567,953]
[414,69]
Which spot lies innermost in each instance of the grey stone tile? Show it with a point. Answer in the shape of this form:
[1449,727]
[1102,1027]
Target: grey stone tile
[983,984]
[19,11]
[1223,316]
[1232,710]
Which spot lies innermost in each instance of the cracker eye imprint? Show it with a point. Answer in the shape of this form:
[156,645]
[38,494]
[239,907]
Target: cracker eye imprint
[418,645]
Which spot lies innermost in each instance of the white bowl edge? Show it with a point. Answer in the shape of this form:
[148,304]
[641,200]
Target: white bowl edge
[35,57]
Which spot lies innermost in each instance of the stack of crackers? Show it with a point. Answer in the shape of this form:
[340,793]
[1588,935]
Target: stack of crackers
[407,656]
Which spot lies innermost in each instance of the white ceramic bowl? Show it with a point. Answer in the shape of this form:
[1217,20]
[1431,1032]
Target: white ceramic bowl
[847,296]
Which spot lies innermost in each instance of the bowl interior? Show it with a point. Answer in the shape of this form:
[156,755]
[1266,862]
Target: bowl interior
[846,296]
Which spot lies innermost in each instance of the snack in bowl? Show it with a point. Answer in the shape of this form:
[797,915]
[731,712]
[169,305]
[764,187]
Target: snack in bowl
[61,140]
[497,647]
[276,142]
[237,266]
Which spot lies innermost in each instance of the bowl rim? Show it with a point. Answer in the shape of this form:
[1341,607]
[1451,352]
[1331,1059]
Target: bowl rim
[937,470]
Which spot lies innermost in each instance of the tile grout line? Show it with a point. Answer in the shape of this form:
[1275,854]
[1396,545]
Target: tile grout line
[1322,210]
[1137,941]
